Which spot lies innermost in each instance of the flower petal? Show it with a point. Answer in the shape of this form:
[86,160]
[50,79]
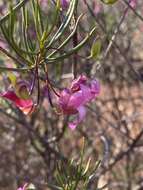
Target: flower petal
[64,97]
[76,100]
[26,106]
[75,85]
[86,93]
[79,119]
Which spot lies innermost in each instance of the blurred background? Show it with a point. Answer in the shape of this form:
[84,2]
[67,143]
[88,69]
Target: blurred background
[31,146]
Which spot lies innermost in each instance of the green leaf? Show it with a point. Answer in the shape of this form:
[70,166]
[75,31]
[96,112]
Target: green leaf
[11,20]
[68,38]
[110,2]
[47,32]
[65,23]
[12,43]
[95,49]
[35,11]
[71,51]
[87,167]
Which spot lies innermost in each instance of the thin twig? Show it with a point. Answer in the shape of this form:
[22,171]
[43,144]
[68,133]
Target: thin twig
[116,31]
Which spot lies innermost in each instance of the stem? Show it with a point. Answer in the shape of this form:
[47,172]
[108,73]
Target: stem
[75,42]
[36,76]
[49,85]
[33,83]
[116,31]
[38,82]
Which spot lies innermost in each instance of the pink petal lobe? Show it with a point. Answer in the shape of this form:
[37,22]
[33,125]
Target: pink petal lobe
[82,113]
[79,119]
[86,93]
[64,102]
[76,100]
[75,85]
[64,97]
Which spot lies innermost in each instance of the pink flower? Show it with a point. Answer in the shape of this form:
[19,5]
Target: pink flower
[26,106]
[24,187]
[20,97]
[73,100]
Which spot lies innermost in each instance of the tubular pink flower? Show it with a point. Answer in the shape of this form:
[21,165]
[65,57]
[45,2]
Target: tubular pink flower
[20,96]
[73,100]
[25,105]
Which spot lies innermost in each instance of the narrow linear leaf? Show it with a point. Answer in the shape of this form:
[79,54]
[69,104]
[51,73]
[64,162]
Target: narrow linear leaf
[72,51]
[96,49]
